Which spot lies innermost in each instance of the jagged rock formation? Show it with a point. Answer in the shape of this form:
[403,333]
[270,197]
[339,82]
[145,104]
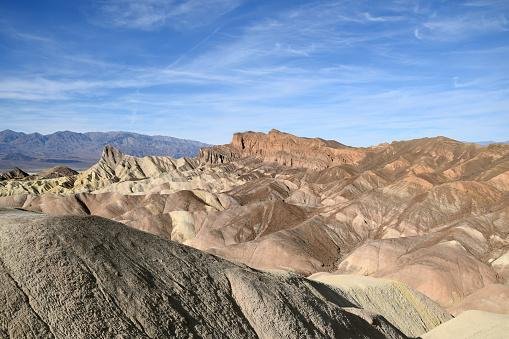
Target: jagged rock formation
[15,173]
[125,174]
[286,149]
[83,277]
[431,207]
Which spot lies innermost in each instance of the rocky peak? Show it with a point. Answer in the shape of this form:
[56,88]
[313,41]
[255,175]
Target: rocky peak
[9,135]
[111,155]
[15,173]
[57,172]
[218,154]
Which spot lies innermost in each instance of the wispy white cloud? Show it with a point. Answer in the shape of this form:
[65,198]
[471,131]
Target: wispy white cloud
[311,30]
[32,37]
[151,14]
[6,29]
[283,80]
[417,34]
[499,4]
[371,18]
[354,116]
[462,27]
[335,69]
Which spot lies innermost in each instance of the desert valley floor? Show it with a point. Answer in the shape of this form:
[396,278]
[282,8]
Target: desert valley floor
[271,236]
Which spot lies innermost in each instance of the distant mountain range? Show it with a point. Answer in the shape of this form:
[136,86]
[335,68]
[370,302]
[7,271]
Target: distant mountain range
[36,151]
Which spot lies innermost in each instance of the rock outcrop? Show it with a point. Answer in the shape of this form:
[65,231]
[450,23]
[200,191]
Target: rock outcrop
[15,173]
[286,150]
[412,312]
[125,174]
[83,277]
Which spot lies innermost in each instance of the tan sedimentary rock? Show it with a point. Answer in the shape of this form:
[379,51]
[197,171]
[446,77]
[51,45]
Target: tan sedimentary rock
[451,271]
[491,298]
[412,312]
[84,277]
[431,207]
[472,324]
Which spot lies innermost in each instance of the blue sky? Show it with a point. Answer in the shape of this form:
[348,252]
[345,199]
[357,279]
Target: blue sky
[360,72]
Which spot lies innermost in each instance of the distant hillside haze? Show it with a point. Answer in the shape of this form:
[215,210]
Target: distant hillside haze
[490,142]
[36,151]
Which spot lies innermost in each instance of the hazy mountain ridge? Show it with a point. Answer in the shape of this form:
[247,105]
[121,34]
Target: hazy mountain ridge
[36,151]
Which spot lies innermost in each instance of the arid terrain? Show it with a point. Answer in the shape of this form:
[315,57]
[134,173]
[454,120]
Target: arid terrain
[35,151]
[320,240]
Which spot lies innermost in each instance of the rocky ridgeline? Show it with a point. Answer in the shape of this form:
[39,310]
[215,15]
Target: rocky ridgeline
[284,149]
[15,173]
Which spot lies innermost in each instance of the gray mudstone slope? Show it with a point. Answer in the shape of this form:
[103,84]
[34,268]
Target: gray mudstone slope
[89,277]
